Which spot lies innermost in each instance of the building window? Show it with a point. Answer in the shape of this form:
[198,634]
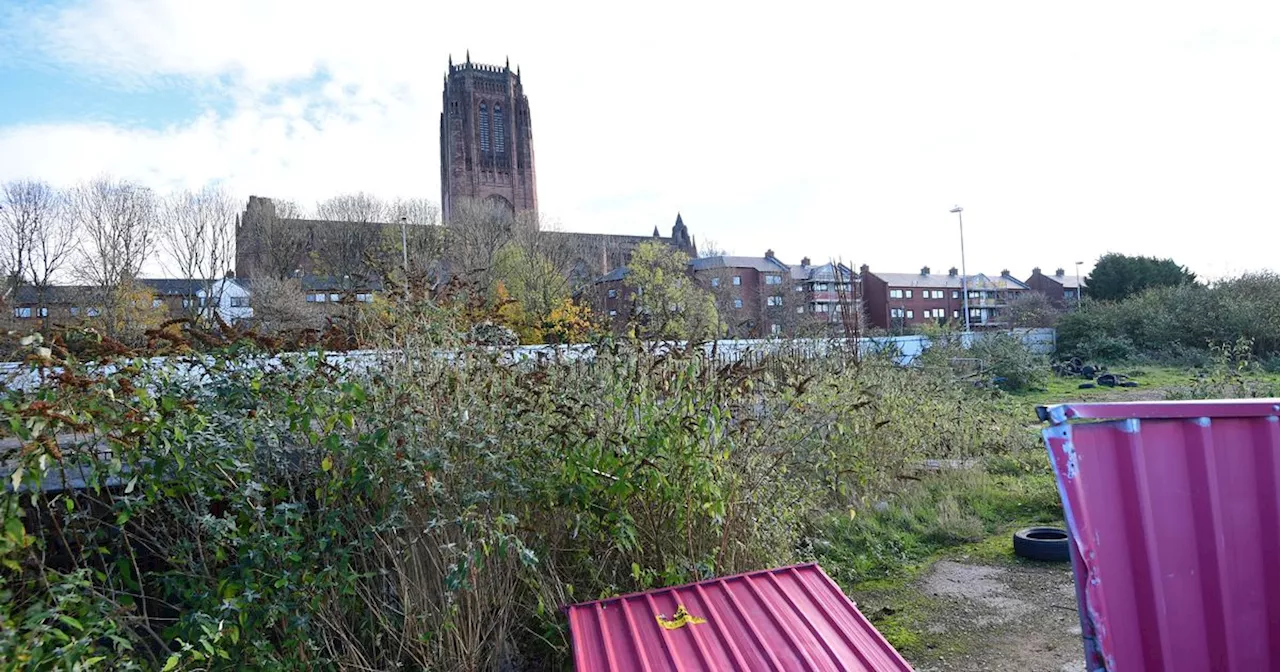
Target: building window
[955,314]
[362,298]
[908,293]
[22,313]
[613,313]
[737,280]
[44,312]
[820,287]
[75,311]
[156,303]
[911,314]
[955,294]
[774,300]
[775,329]
[895,312]
[820,308]
[186,302]
[94,312]
[895,293]
[499,140]
[243,301]
[715,282]
[334,297]
[613,293]
[737,303]
[773,279]
[799,309]
[799,288]
[315,297]
[484,128]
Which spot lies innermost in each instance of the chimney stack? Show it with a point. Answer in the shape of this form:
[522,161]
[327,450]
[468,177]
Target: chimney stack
[924,270]
[1004,273]
[768,254]
[865,269]
[804,262]
[1035,271]
[1059,272]
[953,272]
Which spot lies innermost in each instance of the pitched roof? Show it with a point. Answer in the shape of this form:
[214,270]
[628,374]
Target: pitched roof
[790,618]
[947,281]
[762,264]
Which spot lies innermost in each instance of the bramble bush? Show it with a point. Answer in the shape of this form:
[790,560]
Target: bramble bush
[431,505]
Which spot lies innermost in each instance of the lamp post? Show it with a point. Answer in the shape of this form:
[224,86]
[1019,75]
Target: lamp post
[964,274]
[1078,283]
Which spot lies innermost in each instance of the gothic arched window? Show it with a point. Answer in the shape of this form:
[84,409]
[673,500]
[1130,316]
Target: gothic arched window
[499,138]
[484,128]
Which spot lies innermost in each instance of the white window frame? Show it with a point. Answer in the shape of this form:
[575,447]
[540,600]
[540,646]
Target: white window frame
[715,282]
[737,280]
[22,312]
[895,293]
[737,303]
[911,314]
[613,293]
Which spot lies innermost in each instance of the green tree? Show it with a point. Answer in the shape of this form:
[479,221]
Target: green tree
[1117,276]
[669,304]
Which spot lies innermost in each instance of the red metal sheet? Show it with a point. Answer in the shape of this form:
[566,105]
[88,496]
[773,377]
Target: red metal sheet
[791,618]
[1174,516]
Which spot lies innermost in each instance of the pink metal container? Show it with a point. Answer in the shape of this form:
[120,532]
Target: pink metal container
[1174,517]
[792,618]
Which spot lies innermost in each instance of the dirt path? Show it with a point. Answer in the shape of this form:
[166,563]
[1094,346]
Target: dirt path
[1006,616]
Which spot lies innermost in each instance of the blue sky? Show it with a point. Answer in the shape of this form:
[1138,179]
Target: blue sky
[812,128]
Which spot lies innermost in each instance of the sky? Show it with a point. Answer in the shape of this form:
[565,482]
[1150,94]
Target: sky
[819,129]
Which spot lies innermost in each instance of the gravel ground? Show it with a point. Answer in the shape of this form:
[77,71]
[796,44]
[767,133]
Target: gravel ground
[1014,617]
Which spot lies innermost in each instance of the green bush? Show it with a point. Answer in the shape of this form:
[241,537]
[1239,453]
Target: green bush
[1009,363]
[429,511]
[1175,323]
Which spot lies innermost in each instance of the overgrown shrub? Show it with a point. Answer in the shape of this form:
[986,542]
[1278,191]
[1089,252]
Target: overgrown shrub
[425,507]
[1171,322]
[1009,362]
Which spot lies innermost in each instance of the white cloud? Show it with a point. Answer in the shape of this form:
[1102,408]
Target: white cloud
[809,128]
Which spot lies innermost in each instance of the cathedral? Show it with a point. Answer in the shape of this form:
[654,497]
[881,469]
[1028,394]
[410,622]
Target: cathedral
[486,154]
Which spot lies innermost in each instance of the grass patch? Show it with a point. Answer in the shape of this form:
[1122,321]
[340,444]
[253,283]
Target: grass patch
[877,553]
[887,540]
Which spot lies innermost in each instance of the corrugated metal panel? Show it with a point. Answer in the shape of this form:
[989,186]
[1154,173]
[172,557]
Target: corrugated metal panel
[1174,514]
[793,618]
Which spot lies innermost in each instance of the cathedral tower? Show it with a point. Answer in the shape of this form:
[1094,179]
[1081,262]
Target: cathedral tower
[486,138]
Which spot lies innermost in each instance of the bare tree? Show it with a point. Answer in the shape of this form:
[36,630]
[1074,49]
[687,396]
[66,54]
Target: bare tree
[477,230]
[278,306]
[351,230]
[414,237]
[711,248]
[117,220]
[280,237]
[197,233]
[36,235]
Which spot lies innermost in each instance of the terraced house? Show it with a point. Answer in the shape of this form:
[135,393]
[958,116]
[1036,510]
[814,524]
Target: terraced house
[895,301]
[755,297]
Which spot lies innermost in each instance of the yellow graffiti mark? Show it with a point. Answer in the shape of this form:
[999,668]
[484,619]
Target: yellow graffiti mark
[679,619]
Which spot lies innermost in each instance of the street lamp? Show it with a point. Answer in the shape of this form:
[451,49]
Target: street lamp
[1078,283]
[964,274]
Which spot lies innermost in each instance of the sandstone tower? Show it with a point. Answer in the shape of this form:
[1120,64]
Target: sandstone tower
[486,138]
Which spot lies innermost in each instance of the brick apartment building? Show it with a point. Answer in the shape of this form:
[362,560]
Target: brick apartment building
[1063,290]
[895,301]
[755,297]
